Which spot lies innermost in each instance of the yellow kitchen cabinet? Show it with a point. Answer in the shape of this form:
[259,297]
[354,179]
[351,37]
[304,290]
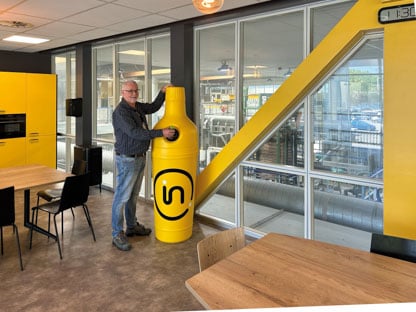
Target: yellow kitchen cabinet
[41,119]
[41,104]
[12,93]
[41,150]
[13,152]
[34,95]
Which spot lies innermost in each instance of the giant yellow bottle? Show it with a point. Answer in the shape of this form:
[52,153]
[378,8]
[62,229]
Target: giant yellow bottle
[174,167]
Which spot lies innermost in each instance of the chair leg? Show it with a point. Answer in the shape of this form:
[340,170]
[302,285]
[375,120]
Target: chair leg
[57,236]
[1,237]
[18,245]
[31,228]
[49,223]
[62,223]
[73,214]
[87,215]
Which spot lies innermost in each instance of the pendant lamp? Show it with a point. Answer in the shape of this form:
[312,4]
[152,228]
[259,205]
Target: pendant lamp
[208,6]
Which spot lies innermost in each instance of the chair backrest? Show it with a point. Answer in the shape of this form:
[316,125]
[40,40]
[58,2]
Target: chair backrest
[75,191]
[79,167]
[7,215]
[215,247]
[396,247]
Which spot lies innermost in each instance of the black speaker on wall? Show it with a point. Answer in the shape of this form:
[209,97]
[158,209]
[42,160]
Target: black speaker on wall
[74,107]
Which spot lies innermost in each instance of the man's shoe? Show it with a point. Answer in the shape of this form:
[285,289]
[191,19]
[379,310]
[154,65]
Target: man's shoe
[138,230]
[120,241]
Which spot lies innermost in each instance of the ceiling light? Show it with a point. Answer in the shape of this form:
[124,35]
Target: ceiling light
[60,60]
[207,78]
[24,39]
[208,6]
[141,73]
[224,66]
[160,71]
[132,52]
[256,66]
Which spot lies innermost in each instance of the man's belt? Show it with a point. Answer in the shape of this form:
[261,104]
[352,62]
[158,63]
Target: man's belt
[132,155]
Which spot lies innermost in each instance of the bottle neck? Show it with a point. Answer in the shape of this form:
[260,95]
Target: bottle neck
[175,101]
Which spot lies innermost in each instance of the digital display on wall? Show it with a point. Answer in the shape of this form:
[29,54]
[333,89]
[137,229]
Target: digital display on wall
[398,13]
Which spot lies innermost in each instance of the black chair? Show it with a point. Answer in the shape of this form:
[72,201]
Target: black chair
[78,167]
[395,247]
[75,193]
[7,217]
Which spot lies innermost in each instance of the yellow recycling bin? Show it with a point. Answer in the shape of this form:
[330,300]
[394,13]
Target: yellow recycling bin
[174,167]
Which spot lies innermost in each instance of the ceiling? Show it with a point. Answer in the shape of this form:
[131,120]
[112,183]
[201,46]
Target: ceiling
[275,47]
[66,22]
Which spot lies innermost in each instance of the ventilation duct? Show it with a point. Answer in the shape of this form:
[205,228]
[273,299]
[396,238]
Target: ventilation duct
[343,210]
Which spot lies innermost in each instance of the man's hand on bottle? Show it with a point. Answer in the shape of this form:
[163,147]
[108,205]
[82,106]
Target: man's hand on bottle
[166,86]
[169,133]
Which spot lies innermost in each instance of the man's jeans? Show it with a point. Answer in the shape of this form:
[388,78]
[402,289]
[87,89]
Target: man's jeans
[128,182]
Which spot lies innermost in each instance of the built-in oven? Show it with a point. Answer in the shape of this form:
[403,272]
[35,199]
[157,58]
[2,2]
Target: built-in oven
[12,126]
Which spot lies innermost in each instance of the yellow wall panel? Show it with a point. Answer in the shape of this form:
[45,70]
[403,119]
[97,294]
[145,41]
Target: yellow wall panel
[400,129]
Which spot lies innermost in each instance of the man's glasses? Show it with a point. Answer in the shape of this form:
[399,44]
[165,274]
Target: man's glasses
[131,91]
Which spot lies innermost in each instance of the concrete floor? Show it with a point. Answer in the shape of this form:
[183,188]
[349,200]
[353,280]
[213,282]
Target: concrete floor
[95,276]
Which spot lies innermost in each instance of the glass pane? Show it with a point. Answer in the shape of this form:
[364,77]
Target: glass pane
[60,71]
[222,204]
[131,57]
[347,116]
[64,68]
[108,163]
[61,152]
[324,18]
[273,201]
[273,48]
[65,152]
[104,87]
[286,145]
[160,58]
[217,89]
[346,214]
[73,89]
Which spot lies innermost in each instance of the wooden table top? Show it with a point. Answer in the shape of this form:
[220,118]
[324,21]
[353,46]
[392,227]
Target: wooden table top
[284,271]
[27,176]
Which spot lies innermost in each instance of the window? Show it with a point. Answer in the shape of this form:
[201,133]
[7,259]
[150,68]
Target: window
[325,157]
[145,60]
[347,139]
[64,67]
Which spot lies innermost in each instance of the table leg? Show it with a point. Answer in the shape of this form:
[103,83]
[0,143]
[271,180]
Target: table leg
[26,216]
[26,205]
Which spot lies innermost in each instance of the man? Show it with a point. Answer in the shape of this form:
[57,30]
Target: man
[132,141]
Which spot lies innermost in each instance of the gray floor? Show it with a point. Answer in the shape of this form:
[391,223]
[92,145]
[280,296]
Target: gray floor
[95,276]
